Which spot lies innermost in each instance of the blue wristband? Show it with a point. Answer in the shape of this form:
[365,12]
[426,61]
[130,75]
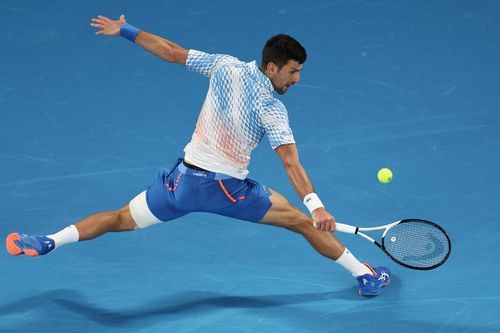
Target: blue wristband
[129,31]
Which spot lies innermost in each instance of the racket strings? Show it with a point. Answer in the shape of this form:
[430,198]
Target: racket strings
[417,244]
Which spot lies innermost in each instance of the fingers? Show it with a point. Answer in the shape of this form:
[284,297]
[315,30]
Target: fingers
[321,226]
[327,225]
[107,26]
[98,26]
[104,18]
[102,21]
[99,21]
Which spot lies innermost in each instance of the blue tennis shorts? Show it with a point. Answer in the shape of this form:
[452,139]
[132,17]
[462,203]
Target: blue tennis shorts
[183,190]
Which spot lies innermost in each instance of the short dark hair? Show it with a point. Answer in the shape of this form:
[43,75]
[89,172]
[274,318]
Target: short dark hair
[281,48]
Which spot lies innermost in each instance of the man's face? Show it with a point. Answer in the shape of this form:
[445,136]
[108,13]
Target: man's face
[284,77]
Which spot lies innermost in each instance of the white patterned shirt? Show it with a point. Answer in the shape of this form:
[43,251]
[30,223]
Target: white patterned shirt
[238,110]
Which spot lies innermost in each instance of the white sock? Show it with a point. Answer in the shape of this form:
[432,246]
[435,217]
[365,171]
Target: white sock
[349,262]
[65,236]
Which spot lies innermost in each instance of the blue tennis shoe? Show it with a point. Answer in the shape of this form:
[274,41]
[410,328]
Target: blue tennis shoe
[29,245]
[372,284]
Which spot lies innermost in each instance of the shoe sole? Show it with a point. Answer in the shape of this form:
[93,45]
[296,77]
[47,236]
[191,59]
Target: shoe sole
[11,245]
[368,294]
[14,250]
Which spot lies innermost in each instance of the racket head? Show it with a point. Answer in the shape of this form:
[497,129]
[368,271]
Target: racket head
[417,244]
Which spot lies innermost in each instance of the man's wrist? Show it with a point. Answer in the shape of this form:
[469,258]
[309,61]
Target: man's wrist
[312,202]
[129,32]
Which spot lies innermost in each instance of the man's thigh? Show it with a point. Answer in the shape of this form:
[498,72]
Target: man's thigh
[282,213]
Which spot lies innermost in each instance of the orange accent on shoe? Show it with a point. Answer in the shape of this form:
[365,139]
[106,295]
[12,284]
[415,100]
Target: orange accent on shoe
[11,246]
[371,268]
[225,191]
[31,252]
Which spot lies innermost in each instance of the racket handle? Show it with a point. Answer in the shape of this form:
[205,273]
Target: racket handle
[345,228]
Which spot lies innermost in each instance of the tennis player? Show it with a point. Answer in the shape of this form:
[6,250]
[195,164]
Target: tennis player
[238,111]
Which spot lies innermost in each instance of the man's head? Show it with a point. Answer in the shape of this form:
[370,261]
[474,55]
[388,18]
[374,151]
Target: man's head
[282,60]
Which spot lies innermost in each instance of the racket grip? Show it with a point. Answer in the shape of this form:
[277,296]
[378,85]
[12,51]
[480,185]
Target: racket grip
[345,228]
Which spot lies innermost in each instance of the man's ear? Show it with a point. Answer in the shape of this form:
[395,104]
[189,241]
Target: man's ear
[271,68]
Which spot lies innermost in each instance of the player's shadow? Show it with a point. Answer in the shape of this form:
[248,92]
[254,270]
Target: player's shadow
[75,305]
[69,303]
[187,304]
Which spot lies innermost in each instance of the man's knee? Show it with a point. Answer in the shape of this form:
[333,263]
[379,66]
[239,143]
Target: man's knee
[298,221]
[284,214]
[125,220]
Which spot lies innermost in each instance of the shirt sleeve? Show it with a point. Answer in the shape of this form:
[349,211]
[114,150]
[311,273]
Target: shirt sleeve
[274,119]
[206,63]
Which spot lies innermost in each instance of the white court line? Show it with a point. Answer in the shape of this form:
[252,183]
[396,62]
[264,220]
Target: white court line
[77,175]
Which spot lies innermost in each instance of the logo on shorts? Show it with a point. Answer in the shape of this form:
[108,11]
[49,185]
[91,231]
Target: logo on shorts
[199,174]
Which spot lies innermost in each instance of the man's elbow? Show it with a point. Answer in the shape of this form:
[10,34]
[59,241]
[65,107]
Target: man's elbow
[174,54]
[289,156]
[164,51]
[291,162]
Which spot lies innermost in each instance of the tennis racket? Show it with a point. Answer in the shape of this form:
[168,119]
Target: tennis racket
[412,243]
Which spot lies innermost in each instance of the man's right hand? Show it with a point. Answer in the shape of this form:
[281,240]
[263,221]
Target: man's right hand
[106,26]
[323,220]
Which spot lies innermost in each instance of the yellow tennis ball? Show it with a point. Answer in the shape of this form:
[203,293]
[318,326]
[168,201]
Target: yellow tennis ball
[384,175]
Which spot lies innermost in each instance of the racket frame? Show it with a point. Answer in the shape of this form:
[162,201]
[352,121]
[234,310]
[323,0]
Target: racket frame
[349,229]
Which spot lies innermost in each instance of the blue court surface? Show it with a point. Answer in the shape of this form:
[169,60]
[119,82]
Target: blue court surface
[87,120]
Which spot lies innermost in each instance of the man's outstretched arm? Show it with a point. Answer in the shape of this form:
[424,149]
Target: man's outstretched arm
[154,44]
[289,156]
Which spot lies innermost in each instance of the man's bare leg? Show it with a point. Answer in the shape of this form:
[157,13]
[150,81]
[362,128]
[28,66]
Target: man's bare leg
[90,227]
[284,214]
[98,224]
